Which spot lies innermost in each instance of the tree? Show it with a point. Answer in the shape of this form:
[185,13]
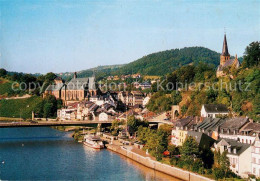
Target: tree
[221,164]
[189,150]
[174,150]
[115,127]
[47,110]
[252,55]
[134,123]
[176,97]
[3,72]
[49,77]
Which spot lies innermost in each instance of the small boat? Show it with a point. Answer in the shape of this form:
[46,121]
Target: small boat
[93,142]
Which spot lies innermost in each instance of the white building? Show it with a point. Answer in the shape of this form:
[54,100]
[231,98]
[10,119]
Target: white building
[256,158]
[66,114]
[239,155]
[212,110]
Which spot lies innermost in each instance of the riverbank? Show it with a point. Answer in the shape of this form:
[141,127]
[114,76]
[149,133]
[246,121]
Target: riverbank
[150,162]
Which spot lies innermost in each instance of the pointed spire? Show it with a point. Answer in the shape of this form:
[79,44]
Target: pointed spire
[225,47]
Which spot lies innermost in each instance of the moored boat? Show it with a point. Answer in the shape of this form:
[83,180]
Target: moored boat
[93,142]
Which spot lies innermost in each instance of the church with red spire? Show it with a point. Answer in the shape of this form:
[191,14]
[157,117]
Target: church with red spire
[225,61]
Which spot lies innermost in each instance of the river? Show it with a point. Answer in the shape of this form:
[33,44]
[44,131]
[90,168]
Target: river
[49,154]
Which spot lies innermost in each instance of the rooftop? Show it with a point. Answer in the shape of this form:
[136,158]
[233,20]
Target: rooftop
[215,108]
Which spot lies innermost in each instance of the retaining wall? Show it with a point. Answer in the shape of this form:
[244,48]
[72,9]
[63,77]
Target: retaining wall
[170,170]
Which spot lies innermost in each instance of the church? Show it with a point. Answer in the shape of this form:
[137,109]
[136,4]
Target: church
[225,61]
[77,89]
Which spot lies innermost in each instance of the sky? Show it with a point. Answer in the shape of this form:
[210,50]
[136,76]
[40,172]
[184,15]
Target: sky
[41,36]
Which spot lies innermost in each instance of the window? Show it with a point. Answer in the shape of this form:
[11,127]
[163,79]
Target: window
[253,170]
[254,160]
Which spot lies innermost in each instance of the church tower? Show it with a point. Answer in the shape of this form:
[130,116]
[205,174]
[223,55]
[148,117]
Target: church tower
[224,57]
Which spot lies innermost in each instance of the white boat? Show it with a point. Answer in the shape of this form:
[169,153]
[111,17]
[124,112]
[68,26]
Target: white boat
[93,142]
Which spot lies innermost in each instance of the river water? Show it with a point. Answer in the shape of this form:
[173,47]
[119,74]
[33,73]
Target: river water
[48,154]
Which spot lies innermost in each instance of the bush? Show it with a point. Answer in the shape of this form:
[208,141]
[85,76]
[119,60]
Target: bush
[174,160]
[218,173]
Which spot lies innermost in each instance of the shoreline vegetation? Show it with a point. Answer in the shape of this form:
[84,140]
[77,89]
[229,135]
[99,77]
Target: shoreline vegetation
[157,165]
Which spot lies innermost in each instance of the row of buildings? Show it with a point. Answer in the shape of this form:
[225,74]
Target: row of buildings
[86,89]
[238,136]
[110,104]
[123,77]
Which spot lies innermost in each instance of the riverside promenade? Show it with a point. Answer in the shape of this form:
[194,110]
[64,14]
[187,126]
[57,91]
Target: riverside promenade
[141,157]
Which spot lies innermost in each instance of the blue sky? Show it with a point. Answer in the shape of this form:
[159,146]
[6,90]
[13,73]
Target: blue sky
[58,36]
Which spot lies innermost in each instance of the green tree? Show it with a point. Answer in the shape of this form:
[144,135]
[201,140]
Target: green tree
[189,150]
[134,123]
[176,97]
[3,72]
[49,77]
[252,55]
[47,110]
[174,150]
[221,165]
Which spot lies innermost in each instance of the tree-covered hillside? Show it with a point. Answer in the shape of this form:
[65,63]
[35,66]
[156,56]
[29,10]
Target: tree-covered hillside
[100,72]
[164,62]
[191,86]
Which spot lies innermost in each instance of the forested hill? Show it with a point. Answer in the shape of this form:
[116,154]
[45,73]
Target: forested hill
[159,63]
[100,71]
[167,61]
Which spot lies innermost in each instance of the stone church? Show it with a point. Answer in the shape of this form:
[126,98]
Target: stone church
[77,89]
[225,61]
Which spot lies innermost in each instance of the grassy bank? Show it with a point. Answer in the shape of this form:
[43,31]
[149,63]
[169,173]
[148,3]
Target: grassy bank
[16,108]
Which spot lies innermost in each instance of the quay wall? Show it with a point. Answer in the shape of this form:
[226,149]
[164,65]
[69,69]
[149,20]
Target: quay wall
[167,169]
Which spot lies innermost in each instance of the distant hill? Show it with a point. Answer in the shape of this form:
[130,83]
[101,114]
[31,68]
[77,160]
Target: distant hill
[167,61]
[100,71]
[159,63]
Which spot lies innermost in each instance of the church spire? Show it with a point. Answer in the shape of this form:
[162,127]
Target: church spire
[225,47]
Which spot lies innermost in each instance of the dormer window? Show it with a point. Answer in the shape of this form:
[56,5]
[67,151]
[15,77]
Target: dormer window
[222,130]
[229,150]
[234,132]
[235,151]
[228,131]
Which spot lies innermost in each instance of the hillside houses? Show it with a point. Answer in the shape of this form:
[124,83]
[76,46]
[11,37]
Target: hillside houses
[239,155]
[239,136]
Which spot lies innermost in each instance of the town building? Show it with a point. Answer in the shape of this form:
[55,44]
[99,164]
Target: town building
[210,126]
[180,131]
[232,127]
[213,110]
[225,60]
[239,155]
[249,132]
[255,170]
[203,140]
[77,89]
[132,98]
